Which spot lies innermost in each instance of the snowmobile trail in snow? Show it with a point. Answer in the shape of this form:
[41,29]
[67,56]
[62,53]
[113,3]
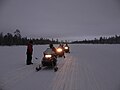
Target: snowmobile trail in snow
[75,74]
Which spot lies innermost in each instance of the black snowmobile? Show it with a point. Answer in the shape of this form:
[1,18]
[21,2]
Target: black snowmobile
[60,52]
[49,60]
[66,49]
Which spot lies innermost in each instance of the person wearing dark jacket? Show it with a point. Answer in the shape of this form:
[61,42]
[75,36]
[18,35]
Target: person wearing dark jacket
[55,55]
[52,47]
[29,53]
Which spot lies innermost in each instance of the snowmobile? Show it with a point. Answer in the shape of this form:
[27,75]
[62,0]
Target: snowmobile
[49,60]
[67,49]
[60,52]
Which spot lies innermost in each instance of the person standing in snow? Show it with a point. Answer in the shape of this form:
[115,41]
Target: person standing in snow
[29,52]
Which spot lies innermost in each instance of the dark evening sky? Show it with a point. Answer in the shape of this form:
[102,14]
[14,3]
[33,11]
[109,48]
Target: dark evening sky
[62,19]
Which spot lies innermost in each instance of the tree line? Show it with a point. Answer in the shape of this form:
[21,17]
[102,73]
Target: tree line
[102,40]
[16,39]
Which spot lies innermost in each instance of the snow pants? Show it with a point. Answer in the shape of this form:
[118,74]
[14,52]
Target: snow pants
[29,59]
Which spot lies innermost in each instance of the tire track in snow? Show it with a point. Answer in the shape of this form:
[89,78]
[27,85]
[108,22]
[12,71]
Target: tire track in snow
[75,74]
[69,77]
[63,79]
[59,76]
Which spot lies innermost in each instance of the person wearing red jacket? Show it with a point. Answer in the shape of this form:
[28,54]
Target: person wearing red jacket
[29,52]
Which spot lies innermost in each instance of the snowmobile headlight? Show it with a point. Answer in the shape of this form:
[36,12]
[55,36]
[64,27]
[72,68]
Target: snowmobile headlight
[59,50]
[66,47]
[48,56]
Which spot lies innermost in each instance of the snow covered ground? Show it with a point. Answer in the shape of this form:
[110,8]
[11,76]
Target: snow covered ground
[87,67]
